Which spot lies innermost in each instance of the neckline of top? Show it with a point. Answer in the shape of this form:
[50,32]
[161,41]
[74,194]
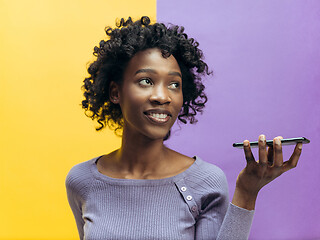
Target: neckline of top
[141,182]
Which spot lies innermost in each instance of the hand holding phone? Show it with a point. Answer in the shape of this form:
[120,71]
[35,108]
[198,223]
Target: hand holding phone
[262,170]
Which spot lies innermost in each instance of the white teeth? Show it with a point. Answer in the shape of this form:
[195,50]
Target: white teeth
[162,117]
[157,115]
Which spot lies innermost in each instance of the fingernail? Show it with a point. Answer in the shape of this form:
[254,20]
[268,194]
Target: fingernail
[246,143]
[262,138]
[277,141]
[300,146]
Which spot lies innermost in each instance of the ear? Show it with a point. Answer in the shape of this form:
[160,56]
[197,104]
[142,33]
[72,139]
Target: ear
[114,92]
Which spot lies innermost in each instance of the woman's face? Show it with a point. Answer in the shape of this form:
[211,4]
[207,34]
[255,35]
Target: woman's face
[150,95]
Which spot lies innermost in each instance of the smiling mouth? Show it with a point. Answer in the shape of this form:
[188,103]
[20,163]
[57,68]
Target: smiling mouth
[157,117]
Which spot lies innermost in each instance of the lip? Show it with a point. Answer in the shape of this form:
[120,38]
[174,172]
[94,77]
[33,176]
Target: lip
[149,115]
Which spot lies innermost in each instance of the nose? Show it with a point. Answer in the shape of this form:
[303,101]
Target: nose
[160,95]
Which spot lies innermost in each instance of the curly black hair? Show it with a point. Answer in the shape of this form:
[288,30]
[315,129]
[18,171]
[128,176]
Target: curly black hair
[113,55]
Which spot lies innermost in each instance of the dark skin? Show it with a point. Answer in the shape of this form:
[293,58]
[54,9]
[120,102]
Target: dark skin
[150,98]
[151,84]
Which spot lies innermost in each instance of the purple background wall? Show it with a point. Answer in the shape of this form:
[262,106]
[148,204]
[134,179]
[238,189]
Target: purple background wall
[265,56]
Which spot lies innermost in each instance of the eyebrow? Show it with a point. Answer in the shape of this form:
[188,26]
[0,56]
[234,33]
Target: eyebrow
[149,70]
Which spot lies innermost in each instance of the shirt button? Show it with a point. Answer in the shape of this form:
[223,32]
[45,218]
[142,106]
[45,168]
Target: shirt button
[194,208]
[183,189]
[189,197]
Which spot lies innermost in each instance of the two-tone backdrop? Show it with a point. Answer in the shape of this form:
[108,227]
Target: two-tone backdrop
[265,57]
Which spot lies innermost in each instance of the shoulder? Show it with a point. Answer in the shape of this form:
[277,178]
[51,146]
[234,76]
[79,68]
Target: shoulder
[80,176]
[208,184]
[207,177]
[209,172]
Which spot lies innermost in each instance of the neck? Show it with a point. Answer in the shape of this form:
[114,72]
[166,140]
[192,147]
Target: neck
[140,156]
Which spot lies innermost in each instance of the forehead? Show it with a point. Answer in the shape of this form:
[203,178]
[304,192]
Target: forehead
[152,59]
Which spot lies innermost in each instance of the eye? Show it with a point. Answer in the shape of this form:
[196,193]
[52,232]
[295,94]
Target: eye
[174,85]
[145,82]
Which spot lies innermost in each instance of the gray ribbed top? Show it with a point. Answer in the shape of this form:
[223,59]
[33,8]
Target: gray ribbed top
[191,205]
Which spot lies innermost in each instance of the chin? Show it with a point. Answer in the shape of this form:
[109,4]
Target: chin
[157,134]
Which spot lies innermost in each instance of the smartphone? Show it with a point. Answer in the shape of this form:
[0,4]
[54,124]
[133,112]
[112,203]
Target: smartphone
[285,141]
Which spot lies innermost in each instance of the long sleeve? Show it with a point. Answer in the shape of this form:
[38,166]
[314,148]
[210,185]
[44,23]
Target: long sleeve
[236,224]
[218,218]
[76,209]
[213,203]
[77,182]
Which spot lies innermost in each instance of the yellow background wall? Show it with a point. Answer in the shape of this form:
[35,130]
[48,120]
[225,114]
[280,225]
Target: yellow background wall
[45,47]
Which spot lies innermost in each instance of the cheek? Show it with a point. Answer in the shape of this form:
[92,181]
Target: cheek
[131,99]
[179,102]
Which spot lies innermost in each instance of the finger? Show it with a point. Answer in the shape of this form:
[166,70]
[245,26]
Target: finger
[247,151]
[277,152]
[293,161]
[263,157]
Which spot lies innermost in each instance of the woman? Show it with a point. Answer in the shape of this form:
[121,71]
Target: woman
[144,78]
